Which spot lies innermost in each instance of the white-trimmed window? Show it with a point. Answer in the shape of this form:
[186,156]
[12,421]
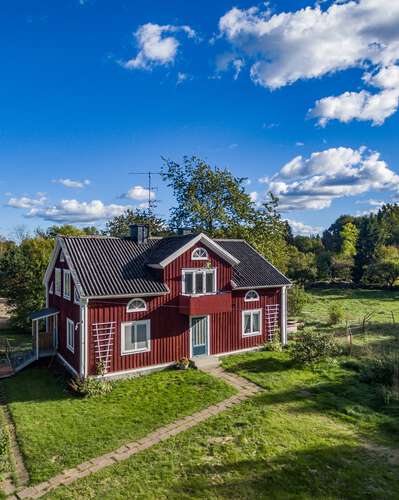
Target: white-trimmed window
[251,322]
[135,336]
[199,254]
[251,296]
[199,281]
[57,280]
[136,305]
[70,335]
[51,289]
[76,296]
[67,284]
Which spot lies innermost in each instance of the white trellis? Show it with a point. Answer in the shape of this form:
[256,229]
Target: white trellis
[272,320]
[104,334]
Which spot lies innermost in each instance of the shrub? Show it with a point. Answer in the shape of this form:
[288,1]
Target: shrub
[273,345]
[87,387]
[378,371]
[297,298]
[335,314]
[314,347]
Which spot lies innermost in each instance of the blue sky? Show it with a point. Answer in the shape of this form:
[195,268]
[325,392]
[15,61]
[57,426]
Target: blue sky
[298,96]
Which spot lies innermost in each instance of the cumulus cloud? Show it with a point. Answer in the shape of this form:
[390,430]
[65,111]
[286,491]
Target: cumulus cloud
[303,229]
[75,211]
[70,183]
[26,202]
[139,193]
[312,42]
[313,183]
[157,45]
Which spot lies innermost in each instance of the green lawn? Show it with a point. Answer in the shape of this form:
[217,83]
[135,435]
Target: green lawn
[289,442]
[313,434]
[56,430]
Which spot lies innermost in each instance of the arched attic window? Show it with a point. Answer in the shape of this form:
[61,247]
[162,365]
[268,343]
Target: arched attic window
[251,296]
[199,254]
[136,305]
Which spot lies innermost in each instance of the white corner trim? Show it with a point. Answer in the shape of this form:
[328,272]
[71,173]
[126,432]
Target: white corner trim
[67,365]
[83,337]
[205,240]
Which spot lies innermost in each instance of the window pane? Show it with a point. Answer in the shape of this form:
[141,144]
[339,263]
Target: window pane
[210,280]
[247,322]
[129,337]
[255,322]
[188,283]
[199,282]
[141,336]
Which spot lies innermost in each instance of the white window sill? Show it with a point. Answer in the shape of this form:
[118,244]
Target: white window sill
[137,351]
[256,334]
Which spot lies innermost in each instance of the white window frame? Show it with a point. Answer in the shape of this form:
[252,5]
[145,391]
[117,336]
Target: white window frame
[202,270]
[51,289]
[142,308]
[246,299]
[57,279]
[195,257]
[67,277]
[251,311]
[125,324]
[76,296]
[62,258]
[70,346]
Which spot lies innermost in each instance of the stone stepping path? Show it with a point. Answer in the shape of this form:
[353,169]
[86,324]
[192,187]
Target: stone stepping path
[245,389]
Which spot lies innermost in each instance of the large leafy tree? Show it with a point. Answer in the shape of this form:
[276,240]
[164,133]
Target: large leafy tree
[213,200]
[119,226]
[369,240]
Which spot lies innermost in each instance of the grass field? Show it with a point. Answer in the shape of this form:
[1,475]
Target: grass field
[56,430]
[315,433]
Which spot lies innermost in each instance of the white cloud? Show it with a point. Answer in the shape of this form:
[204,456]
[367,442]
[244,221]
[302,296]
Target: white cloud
[139,193]
[254,196]
[313,183]
[26,202]
[303,229]
[299,144]
[75,211]
[70,183]
[313,42]
[156,45]
[371,202]
[181,77]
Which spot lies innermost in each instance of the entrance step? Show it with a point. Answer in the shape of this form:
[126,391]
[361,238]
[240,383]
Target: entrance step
[206,362]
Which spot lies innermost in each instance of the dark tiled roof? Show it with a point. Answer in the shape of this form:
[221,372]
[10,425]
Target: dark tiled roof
[115,266]
[112,266]
[167,247]
[253,270]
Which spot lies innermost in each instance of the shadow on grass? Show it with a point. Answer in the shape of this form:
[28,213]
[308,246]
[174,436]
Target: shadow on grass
[319,473]
[263,365]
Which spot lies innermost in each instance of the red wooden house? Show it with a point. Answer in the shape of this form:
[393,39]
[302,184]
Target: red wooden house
[139,303]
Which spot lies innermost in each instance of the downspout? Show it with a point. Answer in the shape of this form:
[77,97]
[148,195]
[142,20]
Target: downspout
[283,315]
[83,337]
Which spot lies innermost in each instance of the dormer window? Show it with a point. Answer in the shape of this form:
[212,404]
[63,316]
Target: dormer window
[136,305]
[199,254]
[251,296]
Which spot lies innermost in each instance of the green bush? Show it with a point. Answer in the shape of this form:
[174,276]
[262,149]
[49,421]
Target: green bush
[313,347]
[87,387]
[297,298]
[335,314]
[379,371]
[273,345]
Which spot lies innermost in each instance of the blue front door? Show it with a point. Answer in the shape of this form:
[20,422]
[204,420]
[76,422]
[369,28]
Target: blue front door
[199,335]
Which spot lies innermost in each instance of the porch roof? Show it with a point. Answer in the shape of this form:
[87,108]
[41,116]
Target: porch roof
[44,313]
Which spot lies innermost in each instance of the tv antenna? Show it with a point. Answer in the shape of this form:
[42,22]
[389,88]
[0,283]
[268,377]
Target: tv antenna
[150,187]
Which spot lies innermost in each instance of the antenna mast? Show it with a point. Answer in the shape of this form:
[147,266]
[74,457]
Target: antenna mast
[150,188]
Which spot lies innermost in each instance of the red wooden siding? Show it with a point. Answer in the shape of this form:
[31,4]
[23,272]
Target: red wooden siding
[69,310]
[169,328]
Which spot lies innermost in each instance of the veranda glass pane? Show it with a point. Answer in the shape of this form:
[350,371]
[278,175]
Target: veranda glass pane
[188,283]
[247,323]
[141,336]
[255,322]
[199,283]
[210,280]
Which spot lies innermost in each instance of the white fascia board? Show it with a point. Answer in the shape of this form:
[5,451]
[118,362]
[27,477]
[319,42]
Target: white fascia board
[201,238]
[71,267]
[52,262]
